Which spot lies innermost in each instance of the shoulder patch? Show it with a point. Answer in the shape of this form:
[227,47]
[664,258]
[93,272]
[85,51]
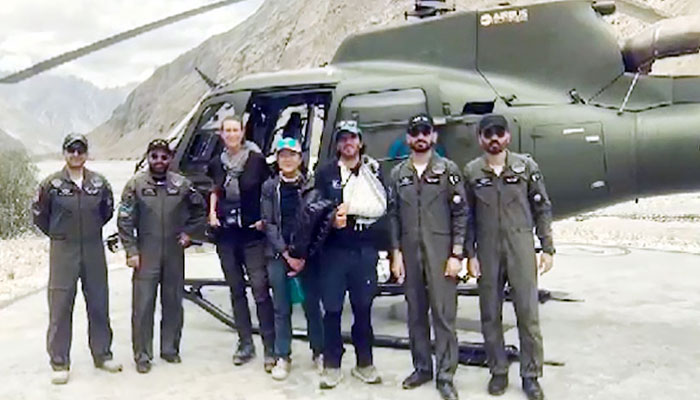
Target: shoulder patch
[97,182]
[518,167]
[177,180]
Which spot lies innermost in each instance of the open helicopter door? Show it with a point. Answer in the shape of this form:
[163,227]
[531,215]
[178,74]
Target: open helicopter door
[572,160]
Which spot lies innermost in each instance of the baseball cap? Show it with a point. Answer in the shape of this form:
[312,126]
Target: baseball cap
[288,143]
[347,126]
[158,144]
[73,138]
[421,122]
[493,121]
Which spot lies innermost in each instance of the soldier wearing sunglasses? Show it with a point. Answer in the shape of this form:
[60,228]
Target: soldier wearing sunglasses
[71,207]
[428,221]
[159,214]
[507,199]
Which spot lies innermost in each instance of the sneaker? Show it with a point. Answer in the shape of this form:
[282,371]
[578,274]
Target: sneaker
[110,366]
[281,370]
[368,375]
[330,378]
[317,359]
[244,353]
[269,363]
[143,367]
[60,377]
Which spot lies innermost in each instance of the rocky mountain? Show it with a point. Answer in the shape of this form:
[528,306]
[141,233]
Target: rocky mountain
[19,126]
[48,107]
[284,35]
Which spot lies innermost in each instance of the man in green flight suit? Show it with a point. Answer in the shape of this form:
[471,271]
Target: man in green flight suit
[428,221]
[71,207]
[159,214]
[507,198]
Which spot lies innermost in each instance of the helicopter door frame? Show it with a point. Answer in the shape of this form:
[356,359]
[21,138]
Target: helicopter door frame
[239,100]
[427,83]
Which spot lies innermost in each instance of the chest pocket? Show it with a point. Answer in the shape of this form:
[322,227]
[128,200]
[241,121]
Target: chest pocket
[484,191]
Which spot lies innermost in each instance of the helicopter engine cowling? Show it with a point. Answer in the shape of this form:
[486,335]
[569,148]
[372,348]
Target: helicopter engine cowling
[670,37]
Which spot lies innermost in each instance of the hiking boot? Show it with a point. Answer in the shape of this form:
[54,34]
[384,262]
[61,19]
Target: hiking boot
[244,353]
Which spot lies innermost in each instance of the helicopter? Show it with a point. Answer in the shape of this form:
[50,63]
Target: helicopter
[586,109]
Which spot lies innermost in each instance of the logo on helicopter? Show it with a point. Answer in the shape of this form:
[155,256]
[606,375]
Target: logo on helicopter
[504,17]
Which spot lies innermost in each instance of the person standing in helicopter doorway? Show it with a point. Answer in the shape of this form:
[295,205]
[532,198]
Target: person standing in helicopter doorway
[238,174]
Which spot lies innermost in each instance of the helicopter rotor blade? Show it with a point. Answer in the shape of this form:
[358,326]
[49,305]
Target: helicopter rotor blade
[101,44]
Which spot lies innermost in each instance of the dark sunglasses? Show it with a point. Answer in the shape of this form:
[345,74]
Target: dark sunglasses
[80,149]
[490,133]
[157,157]
[417,132]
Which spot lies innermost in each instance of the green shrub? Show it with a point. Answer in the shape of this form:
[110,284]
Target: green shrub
[18,184]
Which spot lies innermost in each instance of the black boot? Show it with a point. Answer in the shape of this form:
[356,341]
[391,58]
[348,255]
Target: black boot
[244,353]
[417,378]
[498,384]
[532,389]
[143,367]
[447,390]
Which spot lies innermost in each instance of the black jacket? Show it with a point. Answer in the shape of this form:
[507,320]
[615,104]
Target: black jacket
[271,212]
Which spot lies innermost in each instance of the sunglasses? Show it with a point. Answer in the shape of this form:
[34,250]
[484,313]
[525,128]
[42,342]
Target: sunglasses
[491,133]
[159,157]
[417,132]
[80,149]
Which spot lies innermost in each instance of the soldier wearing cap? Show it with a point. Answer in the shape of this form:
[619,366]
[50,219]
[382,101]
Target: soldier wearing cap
[507,199]
[71,207]
[159,214]
[349,255]
[428,222]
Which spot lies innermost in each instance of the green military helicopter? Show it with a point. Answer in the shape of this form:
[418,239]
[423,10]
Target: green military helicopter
[600,127]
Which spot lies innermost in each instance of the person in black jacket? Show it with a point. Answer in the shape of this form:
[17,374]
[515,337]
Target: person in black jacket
[281,201]
[234,213]
[349,255]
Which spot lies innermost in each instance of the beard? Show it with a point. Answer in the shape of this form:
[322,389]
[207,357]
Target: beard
[421,146]
[158,168]
[494,146]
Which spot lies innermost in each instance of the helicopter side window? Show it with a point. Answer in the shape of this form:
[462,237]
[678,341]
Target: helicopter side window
[383,118]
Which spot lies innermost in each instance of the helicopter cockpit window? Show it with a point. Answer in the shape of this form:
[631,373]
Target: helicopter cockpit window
[206,138]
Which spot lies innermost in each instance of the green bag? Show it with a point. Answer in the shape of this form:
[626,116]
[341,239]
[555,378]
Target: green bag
[296,291]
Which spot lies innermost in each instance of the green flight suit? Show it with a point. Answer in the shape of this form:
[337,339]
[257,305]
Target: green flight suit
[73,218]
[152,214]
[428,220]
[504,211]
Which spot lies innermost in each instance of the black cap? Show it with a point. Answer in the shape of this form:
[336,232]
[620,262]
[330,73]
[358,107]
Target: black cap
[420,122]
[73,138]
[347,126]
[158,144]
[493,121]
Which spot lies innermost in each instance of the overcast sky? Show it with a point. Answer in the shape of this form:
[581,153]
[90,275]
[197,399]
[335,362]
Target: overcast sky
[34,30]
